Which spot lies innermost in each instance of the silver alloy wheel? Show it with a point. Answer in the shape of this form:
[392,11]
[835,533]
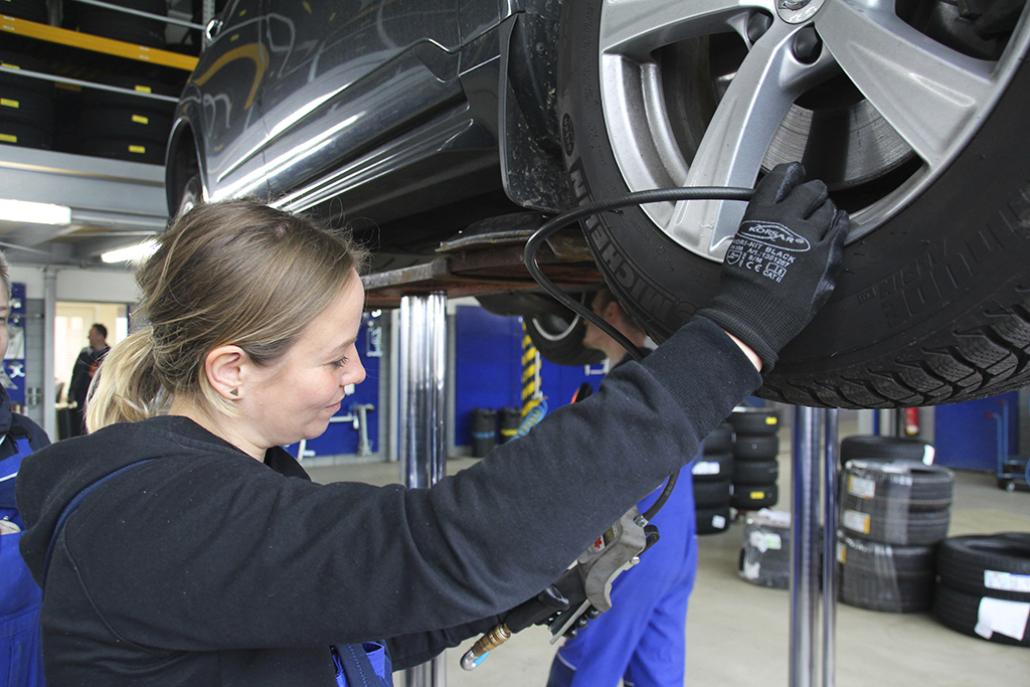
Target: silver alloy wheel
[915,94]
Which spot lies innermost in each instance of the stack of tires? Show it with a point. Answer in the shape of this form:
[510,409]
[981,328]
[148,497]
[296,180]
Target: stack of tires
[123,126]
[983,587]
[711,474]
[765,552]
[26,105]
[755,447]
[893,514]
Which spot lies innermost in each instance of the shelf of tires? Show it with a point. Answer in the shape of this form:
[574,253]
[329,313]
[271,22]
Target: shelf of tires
[893,514]
[711,474]
[755,448]
[90,103]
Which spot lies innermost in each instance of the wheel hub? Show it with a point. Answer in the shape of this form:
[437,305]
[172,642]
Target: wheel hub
[797,11]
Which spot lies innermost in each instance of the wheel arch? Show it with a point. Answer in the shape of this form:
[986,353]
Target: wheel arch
[183,157]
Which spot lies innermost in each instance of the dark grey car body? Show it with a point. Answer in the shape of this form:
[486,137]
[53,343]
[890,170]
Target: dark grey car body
[345,107]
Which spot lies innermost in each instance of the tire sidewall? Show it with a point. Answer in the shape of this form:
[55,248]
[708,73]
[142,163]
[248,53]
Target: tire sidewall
[935,269]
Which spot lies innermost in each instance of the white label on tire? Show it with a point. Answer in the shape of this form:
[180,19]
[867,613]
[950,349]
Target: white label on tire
[751,570]
[705,467]
[1004,617]
[766,541]
[861,487]
[718,522]
[858,522]
[842,553]
[1006,581]
[928,454]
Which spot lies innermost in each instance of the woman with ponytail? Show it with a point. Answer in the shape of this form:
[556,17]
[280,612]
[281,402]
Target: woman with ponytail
[179,544]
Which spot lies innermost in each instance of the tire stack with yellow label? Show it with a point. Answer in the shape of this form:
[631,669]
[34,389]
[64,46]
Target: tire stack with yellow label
[755,468]
[125,126]
[26,104]
[893,515]
[711,475]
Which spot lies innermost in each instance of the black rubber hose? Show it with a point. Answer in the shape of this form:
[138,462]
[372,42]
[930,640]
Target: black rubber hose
[657,195]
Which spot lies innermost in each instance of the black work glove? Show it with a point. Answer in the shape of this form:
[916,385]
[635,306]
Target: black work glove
[780,268]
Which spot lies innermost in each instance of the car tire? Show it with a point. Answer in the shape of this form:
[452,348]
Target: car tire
[757,422]
[931,306]
[880,577]
[961,611]
[712,494]
[913,528]
[896,487]
[765,557]
[754,496]
[712,520]
[997,566]
[873,447]
[560,340]
[756,472]
[712,467]
[756,448]
[719,440]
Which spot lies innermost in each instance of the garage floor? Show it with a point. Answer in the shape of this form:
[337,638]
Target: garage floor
[737,633]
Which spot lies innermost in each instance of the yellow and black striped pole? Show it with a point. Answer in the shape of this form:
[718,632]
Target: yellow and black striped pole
[531,391]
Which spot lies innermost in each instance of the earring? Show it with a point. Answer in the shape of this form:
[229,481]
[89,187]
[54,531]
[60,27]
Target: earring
[235,392]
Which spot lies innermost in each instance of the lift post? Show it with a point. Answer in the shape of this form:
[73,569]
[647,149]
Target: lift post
[805,539]
[423,437]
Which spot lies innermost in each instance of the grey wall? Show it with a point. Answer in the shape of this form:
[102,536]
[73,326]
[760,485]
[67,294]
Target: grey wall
[35,330]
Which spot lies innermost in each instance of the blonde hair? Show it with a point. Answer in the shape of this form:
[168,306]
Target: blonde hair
[235,272]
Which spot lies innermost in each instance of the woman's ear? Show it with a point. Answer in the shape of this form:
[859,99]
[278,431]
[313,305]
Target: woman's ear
[224,369]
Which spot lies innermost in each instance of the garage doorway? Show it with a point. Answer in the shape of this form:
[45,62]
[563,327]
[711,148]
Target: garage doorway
[71,327]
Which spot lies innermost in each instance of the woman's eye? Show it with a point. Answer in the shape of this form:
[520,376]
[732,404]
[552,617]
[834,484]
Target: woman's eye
[339,363]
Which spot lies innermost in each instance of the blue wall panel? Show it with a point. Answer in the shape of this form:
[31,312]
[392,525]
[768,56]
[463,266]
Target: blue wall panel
[486,374]
[342,438]
[488,370]
[966,434]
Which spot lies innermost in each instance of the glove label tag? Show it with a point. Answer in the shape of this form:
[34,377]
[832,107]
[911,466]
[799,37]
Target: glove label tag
[774,235]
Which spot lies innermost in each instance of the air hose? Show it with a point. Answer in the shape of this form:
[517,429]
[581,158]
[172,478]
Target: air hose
[657,195]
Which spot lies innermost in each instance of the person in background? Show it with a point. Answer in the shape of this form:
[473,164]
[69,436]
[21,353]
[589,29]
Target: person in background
[84,370]
[642,639]
[21,656]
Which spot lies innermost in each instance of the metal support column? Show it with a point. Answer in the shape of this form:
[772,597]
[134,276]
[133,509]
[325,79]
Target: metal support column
[810,425]
[804,594]
[830,490]
[422,397]
[49,333]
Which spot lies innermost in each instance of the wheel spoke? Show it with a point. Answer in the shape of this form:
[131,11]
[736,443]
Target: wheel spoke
[637,27]
[735,142]
[925,90]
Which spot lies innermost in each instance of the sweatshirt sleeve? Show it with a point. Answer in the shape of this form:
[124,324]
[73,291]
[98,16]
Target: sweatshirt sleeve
[226,554]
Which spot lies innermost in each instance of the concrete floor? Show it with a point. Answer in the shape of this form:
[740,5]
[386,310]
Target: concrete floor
[737,633]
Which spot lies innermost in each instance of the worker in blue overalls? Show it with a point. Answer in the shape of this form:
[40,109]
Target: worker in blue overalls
[642,639]
[21,656]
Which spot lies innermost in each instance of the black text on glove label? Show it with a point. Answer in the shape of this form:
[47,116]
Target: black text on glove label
[759,258]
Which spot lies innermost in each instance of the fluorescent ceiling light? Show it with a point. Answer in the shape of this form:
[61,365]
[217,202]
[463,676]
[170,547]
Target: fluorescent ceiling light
[139,251]
[34,213]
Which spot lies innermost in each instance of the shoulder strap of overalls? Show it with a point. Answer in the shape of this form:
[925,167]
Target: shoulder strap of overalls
[358,670]
[73,504]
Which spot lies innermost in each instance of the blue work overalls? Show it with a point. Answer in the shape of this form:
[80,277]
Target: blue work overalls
[642,639]
[21,653]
